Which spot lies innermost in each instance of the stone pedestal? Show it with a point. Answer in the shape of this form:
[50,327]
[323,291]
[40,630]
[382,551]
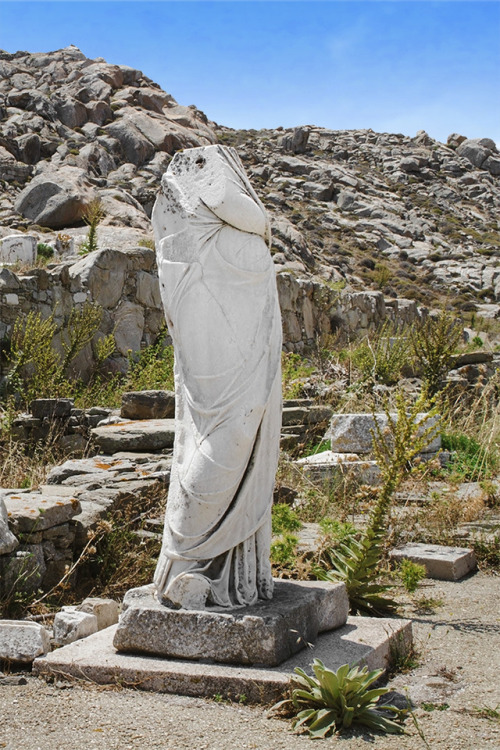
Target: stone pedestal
[266,633]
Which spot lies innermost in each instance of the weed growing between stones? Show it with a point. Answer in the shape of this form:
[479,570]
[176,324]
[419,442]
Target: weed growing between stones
[92,217]
[410,574]
[294,370]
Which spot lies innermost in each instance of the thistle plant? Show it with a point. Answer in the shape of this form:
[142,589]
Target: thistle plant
[92,216]
[356,562]
[334,701]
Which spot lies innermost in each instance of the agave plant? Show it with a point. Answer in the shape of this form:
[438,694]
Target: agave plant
[333,701]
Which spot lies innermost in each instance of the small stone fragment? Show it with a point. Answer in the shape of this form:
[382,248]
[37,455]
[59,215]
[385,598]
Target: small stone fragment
[71,624]
[106,611]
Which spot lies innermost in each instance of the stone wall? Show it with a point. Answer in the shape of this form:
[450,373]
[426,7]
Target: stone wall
[125,285]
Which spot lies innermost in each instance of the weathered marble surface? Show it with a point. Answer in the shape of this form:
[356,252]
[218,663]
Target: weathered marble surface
[218,287]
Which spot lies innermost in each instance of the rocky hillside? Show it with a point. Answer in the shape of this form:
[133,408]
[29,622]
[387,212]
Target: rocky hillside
[409,216]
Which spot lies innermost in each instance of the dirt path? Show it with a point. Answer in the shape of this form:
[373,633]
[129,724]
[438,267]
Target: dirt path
[459,671]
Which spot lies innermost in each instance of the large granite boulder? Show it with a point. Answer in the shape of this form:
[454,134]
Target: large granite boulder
[56,198]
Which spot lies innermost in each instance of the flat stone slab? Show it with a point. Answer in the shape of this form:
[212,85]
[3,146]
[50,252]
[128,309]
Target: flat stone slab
[36,511]
[362,640]
[329,465]
[443,563]
[138,435]
[267,633]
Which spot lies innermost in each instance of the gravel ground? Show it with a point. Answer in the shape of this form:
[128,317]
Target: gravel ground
[458,673]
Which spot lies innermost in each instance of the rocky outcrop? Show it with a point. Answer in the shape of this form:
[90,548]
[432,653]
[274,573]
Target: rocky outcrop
[68,127]
[410,218]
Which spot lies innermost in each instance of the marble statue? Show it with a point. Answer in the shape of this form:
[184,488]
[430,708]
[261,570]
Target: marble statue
[218,288]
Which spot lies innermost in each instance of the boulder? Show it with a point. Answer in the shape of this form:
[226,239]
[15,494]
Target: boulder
[481,152]
[56,198]
[103,274]
[352,433]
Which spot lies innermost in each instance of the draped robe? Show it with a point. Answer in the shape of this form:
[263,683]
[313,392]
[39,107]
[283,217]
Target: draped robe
[218,289]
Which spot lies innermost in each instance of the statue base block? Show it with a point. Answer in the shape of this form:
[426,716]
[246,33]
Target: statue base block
[266,633]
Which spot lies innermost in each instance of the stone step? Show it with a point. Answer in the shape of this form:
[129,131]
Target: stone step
[308,415]
[373,641]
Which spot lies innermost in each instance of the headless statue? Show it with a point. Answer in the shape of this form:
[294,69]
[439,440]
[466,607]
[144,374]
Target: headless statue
[218,288]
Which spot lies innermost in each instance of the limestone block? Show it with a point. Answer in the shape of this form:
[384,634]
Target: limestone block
[70,624]
[443,563]
[329,466]
[34,511]
[143,435]
[22,640]
[296,415]
[106,611]
[8,542]
[351,433]
[18,248]
[148,405]
[267,632]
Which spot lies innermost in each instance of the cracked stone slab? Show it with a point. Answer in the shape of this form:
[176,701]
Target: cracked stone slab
[35,511]
[362,640]
[139,435]
[442,563]
[267,632]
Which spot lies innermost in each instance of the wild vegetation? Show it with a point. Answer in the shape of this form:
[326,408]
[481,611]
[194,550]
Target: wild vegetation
[402,371]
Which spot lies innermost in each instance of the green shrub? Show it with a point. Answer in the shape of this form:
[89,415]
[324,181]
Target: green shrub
[382,357]
[469,460]
[153,367]
[284,519]
[411,574]
[334,701]
[284,551]
[44,251]
[433,342]
[294,369]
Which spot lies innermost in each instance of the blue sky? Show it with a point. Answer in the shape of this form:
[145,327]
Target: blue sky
[391,66]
